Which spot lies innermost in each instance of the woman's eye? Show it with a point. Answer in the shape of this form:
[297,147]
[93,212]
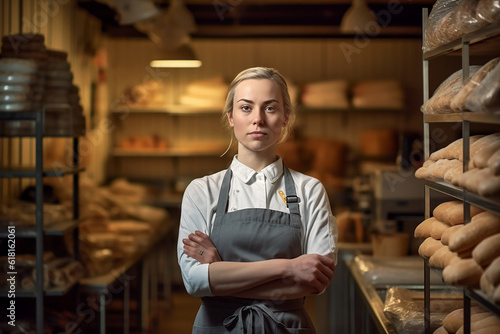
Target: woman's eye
[270,108]
[245,108]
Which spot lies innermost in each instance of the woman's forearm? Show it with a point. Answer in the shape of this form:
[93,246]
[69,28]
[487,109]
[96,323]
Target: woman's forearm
[281,289]
[229,278]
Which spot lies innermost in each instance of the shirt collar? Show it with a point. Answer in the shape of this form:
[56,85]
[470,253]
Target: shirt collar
[272,172]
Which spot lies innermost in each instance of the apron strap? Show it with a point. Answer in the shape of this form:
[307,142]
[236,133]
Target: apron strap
[223,196]
[292,201]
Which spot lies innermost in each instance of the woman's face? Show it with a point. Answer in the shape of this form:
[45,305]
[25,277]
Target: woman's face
[258,115]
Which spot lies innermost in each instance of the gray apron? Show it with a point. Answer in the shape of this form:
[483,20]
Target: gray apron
[254,235]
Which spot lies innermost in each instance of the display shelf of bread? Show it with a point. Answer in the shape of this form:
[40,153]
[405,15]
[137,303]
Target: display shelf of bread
[453,21]
[59,274]
[479,92]
[468,254]
[34,78]
[483,175]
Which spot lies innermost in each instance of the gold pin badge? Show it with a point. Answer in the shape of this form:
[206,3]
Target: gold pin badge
[282,195]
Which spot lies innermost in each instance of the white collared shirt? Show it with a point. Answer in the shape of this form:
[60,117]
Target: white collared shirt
[252,189]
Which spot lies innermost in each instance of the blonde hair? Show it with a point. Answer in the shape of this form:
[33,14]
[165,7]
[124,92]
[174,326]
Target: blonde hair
[261,73]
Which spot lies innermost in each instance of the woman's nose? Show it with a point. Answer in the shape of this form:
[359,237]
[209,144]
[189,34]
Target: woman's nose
[257,119]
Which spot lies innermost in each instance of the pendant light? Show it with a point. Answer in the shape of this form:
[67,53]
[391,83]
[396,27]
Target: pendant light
[358,16]
[182,57]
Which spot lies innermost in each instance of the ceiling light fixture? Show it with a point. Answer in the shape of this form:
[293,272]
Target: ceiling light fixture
[357,18]
[182,57]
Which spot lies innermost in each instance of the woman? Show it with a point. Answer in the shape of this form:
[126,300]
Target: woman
[257,238]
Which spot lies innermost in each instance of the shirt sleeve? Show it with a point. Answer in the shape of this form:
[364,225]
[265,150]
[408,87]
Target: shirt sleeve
[193,217]
[321,227]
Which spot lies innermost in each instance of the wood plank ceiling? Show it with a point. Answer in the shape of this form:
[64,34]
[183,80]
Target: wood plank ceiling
[275,18]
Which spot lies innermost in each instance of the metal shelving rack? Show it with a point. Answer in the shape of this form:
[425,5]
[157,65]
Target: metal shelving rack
[466,46]
[38,173]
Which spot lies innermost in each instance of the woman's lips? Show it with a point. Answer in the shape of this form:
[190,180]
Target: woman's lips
[257,134]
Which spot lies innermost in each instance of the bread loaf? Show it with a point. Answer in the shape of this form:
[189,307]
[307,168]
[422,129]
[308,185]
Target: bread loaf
[445,237]
[488,184]
[494,163]
[465,272]
[475,142]
[489,324]
[454,172]
[423,230]
[440,330]
[496,294]
[437,229]
[441,211]
[489,146]
[480,227]
[442,257]
[440,167]
[487,250]
[486,286]
[492,272]
[428,247]
[421,173]
[455,319]
[451,151]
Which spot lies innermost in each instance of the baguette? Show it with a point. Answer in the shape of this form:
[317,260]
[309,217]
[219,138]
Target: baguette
[487,250]
[437,229]
[445,237]
[494,163]
[492,272]
[442,257]
[428,247]
[465,272]
[480,227]
[423,230]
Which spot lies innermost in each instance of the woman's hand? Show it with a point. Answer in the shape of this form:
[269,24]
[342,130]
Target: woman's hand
[312,270]
[200,247]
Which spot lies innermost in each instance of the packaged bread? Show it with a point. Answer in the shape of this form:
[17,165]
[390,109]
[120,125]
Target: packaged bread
[428,247]
[441,18]
[486,96]
[488,10]
[458,101]
[479,228]
[487,250]
[465,272]
[440,101]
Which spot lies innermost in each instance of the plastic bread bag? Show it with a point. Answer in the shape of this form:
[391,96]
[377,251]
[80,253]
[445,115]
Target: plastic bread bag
[467,18]
[440,101]
[486,97]
[441,24]
[405,309]
[488,10]
[458,102]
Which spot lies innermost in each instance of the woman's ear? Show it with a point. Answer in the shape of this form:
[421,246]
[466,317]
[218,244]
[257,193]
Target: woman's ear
[230,119]
[285,119]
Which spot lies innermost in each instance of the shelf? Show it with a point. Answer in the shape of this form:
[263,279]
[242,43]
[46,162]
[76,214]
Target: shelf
[482,298]
[195,151]
[489,204]
[445,188]
[28,172]
[472,117]
[475,39]
[172,109]
[51,291]
[55,229]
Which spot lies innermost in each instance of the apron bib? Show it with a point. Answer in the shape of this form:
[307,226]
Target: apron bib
[254,235]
